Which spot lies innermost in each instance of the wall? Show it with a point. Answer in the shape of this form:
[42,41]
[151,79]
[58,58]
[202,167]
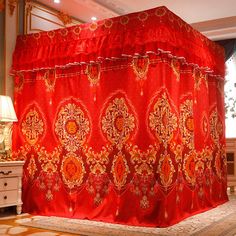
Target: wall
[11,31]
[2,16]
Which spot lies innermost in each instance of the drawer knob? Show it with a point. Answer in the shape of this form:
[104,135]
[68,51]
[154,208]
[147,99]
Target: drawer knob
[5,197]
[5,184]
[6,173]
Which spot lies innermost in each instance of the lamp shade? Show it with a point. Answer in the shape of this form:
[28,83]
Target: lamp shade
[7,112]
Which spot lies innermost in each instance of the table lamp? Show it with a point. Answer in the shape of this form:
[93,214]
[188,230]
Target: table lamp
[7,116]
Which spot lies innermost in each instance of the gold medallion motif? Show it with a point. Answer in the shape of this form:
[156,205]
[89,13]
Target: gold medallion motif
[160,11]
[108,23]
[32,125]
[143,16]
[63,32]
[120,170]
[165,170]
[189,167]
[162,120]
[72,126]
[37,35]
[72,170]
[124,20]
[93,26]
[77,30]
[117,122]
[51,34]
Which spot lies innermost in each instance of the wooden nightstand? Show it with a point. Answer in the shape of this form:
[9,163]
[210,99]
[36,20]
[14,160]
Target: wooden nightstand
[10,184]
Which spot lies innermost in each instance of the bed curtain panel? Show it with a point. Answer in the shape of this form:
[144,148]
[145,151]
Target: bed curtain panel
[121,120]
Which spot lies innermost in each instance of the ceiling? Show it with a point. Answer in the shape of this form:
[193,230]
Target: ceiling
[191,11]
[216,19]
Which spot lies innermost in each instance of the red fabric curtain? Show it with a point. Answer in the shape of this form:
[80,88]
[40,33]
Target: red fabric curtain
[121,120]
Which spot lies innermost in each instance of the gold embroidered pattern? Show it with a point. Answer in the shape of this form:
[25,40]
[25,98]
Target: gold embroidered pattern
[189,167]
[72,126]
[50,80]
[143,16]
[98,180]
[77,30]
[198,77]
[160,12]
[177,149]
[93,26]
[31,167]
[144,180]
[97,161]
[49,180]
[143,161]
[124,20]
[51,34]
[93,72]
[21,154]
[162,121]
[36,35]
[72,170]
[165,170]
[63,32]
[207,156]
[187,123]
[175,65]
[205,125]
[140,66]
[216,126]
[49,161]
[32,126]
[118,122]
[120,170]
[108,23]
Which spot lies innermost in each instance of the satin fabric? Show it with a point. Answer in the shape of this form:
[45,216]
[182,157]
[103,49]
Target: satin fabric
[121,120]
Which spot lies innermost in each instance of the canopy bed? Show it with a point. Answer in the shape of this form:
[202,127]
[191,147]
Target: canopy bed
[121,120]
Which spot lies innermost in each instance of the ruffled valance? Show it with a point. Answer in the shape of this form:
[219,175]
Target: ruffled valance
[153,31]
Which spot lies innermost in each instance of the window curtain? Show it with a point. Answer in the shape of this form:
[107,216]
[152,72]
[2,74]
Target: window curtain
[121,120]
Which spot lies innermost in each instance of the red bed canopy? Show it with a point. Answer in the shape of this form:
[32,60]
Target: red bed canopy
[121,120]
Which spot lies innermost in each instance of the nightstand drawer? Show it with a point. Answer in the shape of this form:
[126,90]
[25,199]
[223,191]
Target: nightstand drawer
[7,171]
[8,197]
[8,183]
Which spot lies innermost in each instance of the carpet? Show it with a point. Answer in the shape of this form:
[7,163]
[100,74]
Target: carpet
[220,221]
